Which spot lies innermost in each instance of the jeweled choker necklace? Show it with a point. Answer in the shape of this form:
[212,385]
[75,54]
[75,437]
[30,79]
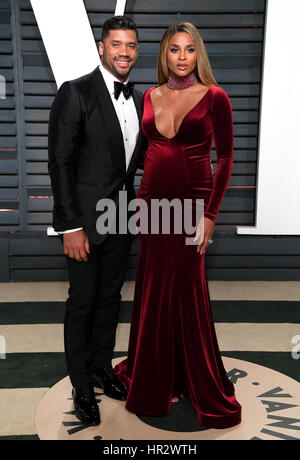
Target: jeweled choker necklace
[175,82]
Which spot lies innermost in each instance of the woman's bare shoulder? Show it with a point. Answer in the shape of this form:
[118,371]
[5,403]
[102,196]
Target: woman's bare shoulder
[159,90]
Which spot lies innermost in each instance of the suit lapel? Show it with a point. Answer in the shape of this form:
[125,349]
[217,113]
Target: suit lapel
[134,158]
[110,118]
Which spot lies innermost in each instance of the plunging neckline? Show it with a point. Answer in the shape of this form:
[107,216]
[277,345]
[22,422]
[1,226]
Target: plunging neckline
[193,108]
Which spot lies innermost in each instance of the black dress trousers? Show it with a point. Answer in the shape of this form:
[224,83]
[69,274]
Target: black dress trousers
[92,308]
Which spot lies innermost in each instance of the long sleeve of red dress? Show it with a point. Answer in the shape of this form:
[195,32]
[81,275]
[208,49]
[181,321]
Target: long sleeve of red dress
[222,120]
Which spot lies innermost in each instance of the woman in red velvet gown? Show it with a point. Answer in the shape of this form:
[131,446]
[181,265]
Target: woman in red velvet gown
[173,349]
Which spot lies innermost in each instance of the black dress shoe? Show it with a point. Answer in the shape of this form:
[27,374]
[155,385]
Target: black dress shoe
[105,378]
[86,407]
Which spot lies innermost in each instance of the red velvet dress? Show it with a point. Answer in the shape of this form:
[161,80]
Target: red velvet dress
[173,347]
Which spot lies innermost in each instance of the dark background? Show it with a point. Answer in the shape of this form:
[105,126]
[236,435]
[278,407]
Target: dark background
[233,32]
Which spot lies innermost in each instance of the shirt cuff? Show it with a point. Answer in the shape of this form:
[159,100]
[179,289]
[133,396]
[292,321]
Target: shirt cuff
[70,231]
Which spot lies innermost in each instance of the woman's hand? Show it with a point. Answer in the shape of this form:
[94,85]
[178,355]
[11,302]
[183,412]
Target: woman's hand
[209,227]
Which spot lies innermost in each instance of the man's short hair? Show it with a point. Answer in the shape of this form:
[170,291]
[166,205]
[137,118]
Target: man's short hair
[118,23]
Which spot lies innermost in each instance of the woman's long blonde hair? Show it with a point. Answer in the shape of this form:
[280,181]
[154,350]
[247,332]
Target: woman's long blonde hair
[203,69]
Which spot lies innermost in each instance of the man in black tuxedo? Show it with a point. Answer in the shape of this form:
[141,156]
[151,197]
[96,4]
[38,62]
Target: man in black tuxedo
[95,144]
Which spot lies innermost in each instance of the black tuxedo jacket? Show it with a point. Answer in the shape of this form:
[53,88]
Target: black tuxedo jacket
[86,153]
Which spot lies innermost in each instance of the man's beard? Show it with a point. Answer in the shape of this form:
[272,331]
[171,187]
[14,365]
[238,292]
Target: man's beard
[113,69]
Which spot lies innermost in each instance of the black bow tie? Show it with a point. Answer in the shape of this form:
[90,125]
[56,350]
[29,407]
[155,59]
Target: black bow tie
[127,89]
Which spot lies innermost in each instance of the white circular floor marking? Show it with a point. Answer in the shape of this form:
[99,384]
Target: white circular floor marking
[270,410]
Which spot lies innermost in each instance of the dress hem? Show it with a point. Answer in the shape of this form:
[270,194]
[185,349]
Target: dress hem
[214,422]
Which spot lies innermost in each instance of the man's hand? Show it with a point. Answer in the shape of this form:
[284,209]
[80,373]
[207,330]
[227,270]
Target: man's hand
[76,245]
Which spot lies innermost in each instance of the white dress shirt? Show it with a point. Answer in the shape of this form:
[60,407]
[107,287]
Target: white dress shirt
[127,116]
